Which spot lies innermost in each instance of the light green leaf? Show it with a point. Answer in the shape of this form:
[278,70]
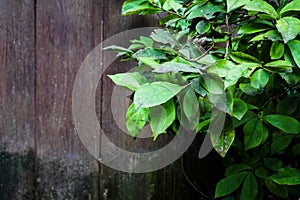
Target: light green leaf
[204,10]
[287,176]
[254,133]
[129,80]
[294,46]
[164,37]
[229,184]
[234,4]
[239,108]
[252,28]
[272,35]
[261,6]
[161,117]
[250,188]
[136,119]
[259,79]
[233,169]
[172,4]
[292,6]
[191,109]
[223,142]
[175,68]
[138,7]
[278,190]
[280,142]
[277,50]
[202,27]
[149,52]
[118,48]
[279,66]
[285,123]
[241,58]
[202,124]
[156,93]
[273,163]
[289,27]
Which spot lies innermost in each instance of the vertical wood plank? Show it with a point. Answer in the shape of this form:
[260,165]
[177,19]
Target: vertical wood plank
[67,31]
[17,99]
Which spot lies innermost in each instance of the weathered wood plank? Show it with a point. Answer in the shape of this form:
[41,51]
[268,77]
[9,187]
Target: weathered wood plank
[17,99]
[67,31]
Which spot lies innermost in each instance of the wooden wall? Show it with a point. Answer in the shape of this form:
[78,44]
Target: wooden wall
[42,43]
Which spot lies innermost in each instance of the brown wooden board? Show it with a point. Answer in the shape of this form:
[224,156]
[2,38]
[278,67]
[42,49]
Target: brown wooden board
[17,99]
[67,31]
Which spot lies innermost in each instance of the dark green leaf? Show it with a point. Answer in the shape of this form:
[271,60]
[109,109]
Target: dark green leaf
[129,80]
[259,79]
[161,117]
[249,115]
[241,58]
[153,94]
[248,89]
[288,106]
[287,176]
[296,149]
[284,123]
[261,6]
[260,172]
[278,190]
[277,50]
[254,133]
[252,28]
[273,163]
[202,27]
[280,142]
[250,188]
[289,27]
[294,46]
[234,4]
[239,108]
[236,168]
[229,184]
[136,119]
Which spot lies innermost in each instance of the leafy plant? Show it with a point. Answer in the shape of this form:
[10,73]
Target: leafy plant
[253,46]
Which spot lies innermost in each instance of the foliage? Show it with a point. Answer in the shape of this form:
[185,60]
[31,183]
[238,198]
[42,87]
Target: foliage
[254,47]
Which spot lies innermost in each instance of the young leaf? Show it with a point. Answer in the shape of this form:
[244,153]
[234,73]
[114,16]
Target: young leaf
[239,108]
[229,184]
[234,4]
[294,46]
[261,6]
[287,176]
[250,188]
[156,93]
[136,119]
[129,80]
[259,79]
[161,117]
[223,142]
[289,27]
[292,6]
[254,132]
[285,123]
[277,50]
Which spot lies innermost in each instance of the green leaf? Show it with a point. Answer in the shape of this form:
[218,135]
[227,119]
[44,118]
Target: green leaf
[149,52]
[172,4]
[242,58]
[164,37]
[118,48]
[289,27]
[273,163]
[287,176]
[191,109]
[129,80]
[249,115]
[280,142]
[248,89]
[138,7]
[278,190]
[292,6]
[288,105]
[202,124]
[261,6]
[254,133]
[294,46]
[250,188]
[161,117]
[252,28]
[175,68]
[240,108]
[202,27]
[279,66]
[296,149]
[236,168]
[259,79]
[156,93]
[277,50]
[285,123]
[222,143]
[136,119]
[234,4]
[260,172]
[204,10]
[272,35]
[229,184]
